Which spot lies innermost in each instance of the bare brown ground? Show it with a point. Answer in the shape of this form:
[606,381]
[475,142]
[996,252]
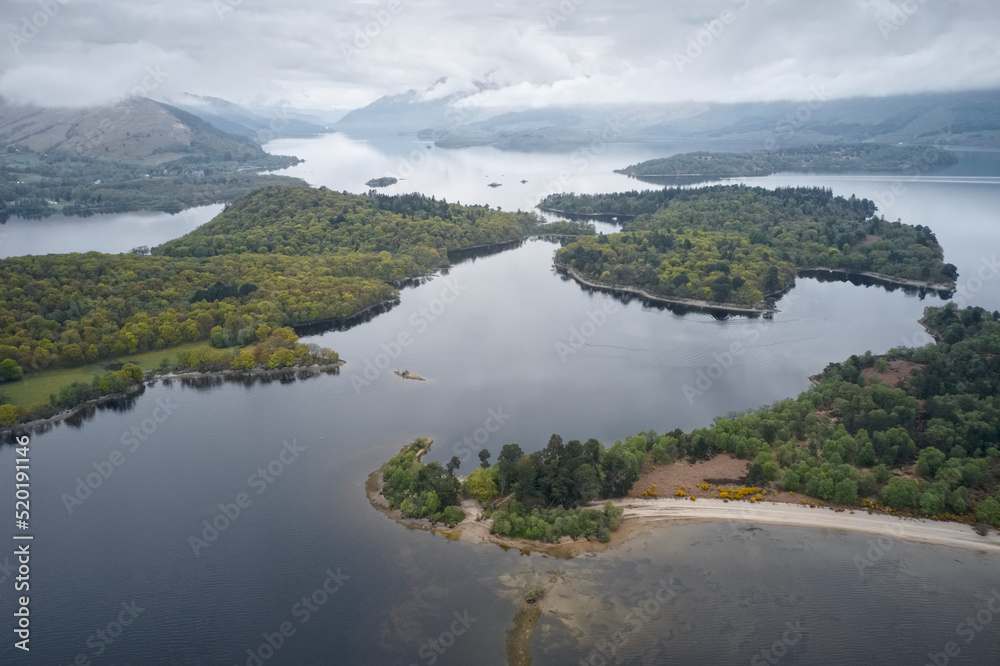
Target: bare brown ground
[870,239]
[685,476]
[895,373]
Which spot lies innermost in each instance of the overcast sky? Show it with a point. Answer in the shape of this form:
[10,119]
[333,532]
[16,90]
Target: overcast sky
[315,53]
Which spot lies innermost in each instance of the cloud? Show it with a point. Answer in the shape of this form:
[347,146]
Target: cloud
[343,55]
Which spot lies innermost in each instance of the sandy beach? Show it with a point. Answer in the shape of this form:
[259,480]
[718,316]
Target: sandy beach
[665,510]
[643,514]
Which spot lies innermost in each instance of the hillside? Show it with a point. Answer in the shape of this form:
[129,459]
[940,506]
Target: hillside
[136,129]
[259,124]
[135,155]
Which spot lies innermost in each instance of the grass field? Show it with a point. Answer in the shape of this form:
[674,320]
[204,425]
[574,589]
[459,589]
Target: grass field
[38,387]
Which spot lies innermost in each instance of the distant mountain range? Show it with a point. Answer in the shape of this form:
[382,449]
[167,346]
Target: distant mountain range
[957,119]
[261,124]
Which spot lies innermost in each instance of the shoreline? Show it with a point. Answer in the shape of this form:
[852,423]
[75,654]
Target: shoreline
[686,302]
[595,216]
[499,244]
[474,531]
[374,309]
[882,277]
[652,512]
[140,387]
[941,289]
[640,516]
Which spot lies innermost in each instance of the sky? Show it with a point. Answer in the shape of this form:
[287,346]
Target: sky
[342,55]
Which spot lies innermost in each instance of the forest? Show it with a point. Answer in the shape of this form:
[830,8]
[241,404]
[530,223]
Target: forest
[34,185]
[278,257]
[275,349]
[737,245]
[546,488]
[421,490]
[814,158]
[927,446]
[308,221]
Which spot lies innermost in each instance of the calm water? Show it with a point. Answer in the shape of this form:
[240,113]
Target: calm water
[487,336]
[119,232]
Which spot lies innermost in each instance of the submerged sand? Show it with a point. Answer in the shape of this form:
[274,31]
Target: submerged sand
[650,512]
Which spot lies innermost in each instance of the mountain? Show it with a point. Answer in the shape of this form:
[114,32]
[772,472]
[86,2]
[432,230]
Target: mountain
[959,119]
[137,129]
[134,155]
[262,124]
[413,111]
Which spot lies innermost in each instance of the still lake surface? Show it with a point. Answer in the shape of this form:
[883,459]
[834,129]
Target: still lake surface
[493,347]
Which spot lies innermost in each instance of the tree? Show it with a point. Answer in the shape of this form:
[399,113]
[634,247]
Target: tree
[131,371]
[772,282]
[507,461]
[10,371]
[219,337]
[929,462]
[453,465]
[587,487]
[452,515]
[281,358]
[846,492]
[432,506]
[989,510]
[755,475]
[9,415]
[481,485]
[245,361]
[900,494]
[484,459]
[790,480]
[621,471]
[866,456]
[932,503]
[71,354]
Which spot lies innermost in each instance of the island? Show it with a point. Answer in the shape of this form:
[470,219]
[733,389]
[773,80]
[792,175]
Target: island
[227,296]
[818,158]
[385,181]
[735,248]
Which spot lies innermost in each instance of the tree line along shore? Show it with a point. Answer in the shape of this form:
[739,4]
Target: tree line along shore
[912,433]
[279,257]
[734,246]
[286,256]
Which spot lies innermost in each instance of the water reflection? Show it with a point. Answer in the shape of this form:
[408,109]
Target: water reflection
[826,275]
[125,402]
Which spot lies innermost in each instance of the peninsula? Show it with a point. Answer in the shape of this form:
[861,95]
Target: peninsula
[735,247]
[820,158]
[909,435]
[276,258]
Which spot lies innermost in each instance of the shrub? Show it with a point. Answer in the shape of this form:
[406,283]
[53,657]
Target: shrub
[452,515]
